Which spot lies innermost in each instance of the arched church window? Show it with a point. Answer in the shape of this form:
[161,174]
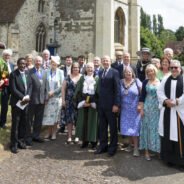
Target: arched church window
[119,26]
[41,6]
[40,38]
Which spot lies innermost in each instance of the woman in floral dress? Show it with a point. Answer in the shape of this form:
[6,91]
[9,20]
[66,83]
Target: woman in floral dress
[68,90]
[149,136]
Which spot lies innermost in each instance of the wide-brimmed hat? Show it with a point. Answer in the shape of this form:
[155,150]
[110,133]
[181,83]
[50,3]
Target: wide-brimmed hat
[55,59]
[144,49]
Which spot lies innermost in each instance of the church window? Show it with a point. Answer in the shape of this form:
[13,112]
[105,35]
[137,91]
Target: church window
[41,6]
[119,26]
[40,38]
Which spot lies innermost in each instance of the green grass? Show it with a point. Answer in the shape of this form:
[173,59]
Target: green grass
[5,133]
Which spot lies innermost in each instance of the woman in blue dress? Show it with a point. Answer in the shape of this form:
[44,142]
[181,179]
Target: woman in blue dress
[149,136]
[68,89]
[130,117]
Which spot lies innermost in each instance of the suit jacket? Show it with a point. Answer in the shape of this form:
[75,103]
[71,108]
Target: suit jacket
[39,87]
[64,69]
[83,70]
[120,68]
[116,66]
[59,78]
[109,89]
[17,87]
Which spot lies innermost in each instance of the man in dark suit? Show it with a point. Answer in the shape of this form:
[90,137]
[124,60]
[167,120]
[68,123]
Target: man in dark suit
[82,65]
[118,63]
[20,88]
[38,98]
[97,66]
[127,63]
[108,106]
[67,67]
[6,67]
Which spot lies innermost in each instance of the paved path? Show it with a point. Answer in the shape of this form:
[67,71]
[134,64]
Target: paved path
[54,162]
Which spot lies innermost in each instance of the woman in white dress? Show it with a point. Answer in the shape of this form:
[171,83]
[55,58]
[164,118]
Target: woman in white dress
[52,109]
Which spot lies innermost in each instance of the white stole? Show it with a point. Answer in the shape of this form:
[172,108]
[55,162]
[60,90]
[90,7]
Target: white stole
[174,110]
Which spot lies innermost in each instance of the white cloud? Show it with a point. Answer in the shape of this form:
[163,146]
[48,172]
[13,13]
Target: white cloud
[171,11]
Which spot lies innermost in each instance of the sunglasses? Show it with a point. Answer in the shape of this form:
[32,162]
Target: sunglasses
[174,67]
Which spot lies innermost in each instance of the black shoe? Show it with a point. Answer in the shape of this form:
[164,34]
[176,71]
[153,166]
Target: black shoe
[111,154]
[84,145]
[29,143]
[14,150]
[100,151]
[22,145]
[93,145]
[3,127]
[39,140]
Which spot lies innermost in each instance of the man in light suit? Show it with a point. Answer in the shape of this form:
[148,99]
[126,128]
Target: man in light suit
[6,67]
[21,89]
[108,106]
[38,99]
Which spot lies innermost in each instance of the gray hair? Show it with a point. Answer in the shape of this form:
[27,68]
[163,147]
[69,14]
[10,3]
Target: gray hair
[7,51]
[168,50]
[46,51]
[176,62]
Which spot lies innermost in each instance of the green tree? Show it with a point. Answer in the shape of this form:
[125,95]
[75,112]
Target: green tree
[166,36]
[160,24]
[180,33]
[155,25]
[145,20]
[148,39]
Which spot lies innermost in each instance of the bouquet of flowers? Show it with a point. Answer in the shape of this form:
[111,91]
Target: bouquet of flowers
[4,79]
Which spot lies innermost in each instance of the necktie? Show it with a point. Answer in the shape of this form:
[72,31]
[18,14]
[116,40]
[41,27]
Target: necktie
[24,80]
[104,73]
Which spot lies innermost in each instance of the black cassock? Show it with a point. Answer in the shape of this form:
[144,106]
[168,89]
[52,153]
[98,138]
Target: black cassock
[170,150]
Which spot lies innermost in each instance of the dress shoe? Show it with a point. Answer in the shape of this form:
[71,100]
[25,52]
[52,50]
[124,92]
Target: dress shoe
[39,140]
[14,150]
[111,154]
[3,127]
[84,145]
[100,151]
[22,145]
[29,143]
[93,145]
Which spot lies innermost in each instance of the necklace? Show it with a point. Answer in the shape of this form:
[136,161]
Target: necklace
[143,65]
[127,86]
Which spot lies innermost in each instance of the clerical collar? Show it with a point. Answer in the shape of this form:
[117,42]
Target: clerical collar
[174,78]
[21,72]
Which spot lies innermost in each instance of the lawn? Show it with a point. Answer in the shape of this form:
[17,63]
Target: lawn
[5,133]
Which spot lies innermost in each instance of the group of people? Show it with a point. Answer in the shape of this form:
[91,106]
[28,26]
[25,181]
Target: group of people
[145,102]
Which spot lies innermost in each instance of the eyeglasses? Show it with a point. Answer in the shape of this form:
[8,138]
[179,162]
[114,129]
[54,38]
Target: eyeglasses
[174,67]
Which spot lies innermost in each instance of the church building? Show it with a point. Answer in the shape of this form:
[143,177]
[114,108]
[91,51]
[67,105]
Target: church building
[70,27]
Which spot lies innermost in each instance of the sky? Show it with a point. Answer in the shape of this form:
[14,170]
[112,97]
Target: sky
[172,11]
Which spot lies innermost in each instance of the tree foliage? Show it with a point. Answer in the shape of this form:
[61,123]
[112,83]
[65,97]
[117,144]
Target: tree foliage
[148,39]
[180,33]
[145,20]
[160,24]
[166,36]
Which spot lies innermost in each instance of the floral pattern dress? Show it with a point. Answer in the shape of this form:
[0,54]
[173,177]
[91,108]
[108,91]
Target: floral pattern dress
[70,112]
[130,118]
[149,136]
